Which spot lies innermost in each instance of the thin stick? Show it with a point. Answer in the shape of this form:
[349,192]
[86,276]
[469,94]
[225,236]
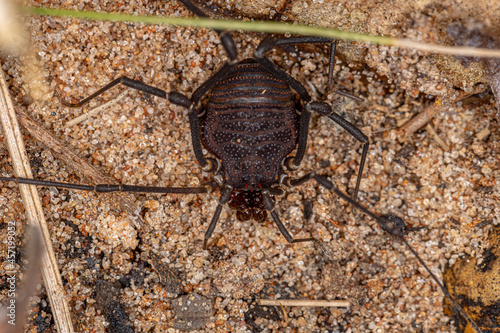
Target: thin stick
[436,137]
[34,211]
[118,202]
[96,110]
[303,302]
[417,122]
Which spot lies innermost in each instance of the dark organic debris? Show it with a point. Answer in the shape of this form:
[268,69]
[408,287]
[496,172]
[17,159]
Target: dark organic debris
[169,277]
[262,313]
[474,283]
[107,300]
[192,312]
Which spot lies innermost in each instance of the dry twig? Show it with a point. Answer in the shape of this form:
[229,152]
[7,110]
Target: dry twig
[96,110]
[34,211]
[417,122]
[302,302]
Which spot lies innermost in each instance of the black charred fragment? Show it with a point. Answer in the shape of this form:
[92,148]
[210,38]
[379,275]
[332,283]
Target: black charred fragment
[490,315]
[405,153]
[259,311]
[484,189]
[107,296]
[489,258]
[43,320]
[136,276]
[272,313]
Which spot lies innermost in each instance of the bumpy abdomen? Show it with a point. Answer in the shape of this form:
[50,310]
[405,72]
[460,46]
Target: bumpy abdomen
[251,125]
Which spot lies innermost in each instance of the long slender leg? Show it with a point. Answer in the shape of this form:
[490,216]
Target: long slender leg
[332,62]
[194,124]
[326,110]
[106,188]
[224,198]
[228,44]
[330,75]
[385,223]
[268,43]
[134,84]
[392,224]
[269,205]
[293,163]
[225,37]
[314,40]
[173,97]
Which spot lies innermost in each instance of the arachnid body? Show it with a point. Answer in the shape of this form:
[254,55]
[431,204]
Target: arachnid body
[251,124]
[155,149]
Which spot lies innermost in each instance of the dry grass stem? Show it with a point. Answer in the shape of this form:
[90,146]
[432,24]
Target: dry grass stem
[303,302]
[96,110]
[34,211]
[417,122]
[266,26]
[421,119]
[436,137]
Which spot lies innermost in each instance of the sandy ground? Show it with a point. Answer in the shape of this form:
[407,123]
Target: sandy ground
[449,188]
